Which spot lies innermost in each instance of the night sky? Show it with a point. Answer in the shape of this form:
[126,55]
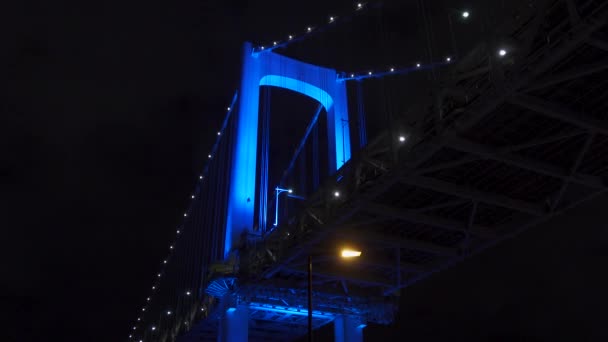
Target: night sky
[107,112]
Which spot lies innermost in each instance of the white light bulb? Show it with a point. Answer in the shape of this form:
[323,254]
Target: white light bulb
[359,5]
[465,14]
[392,69]
[192,196]
[171,247]
[261,47]
[209,156]
[502,52]
[290,191]
[138,319]
[187,293]
[352,75]
[337,194]
[417,65]
[219,133]
[153,287]
[290,37]
[178,231]
[130,336]
[228,108]
[369,73]
[158,275]
[309,29]
[402,138]
[200,177]
[202,309]
[164,261]
[274,43]
[143,309]
[148,299]
[331,19]
[448,59]
[185,214]
[153,328]
[134,328]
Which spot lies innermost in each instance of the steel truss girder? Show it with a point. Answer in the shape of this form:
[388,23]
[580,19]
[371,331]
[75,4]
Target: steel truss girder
[474,194]
[393,240]
[409,216]
[525,163]
[343,274]
[577,72]
[560,113]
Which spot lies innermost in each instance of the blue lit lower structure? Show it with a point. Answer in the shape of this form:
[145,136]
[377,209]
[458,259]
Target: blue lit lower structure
[271,69]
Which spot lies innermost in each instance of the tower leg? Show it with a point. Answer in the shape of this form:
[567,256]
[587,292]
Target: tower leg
[348,329]
[234,325]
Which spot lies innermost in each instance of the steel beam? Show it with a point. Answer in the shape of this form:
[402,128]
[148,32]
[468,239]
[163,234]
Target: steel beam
[577,72]
[540,141]
[388,239]
[598,43]
[525,163]
[474,194]
[560,113]
[347,275]
[409,216]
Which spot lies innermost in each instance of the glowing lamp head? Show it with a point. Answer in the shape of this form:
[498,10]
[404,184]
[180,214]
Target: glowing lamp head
[219,133]
[402,138]
[290,37]
[200,177]
[465,14]
[148,299]
[274,43]
[228,109]
[392,69]
[331,19]
[153,328]
[164,261]
[309,29]
[352,75]
[349,253]
[369,73]
[337,194]
[502,52]
[359,5]
[417,65]
[168,313]
[290,190]
[209,156]
[448,59]
[134,328]
[192,196]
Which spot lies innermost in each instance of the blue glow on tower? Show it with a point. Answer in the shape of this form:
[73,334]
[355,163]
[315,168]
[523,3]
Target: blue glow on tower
[267,68]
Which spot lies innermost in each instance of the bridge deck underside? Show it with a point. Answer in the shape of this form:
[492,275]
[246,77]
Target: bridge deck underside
[512,142]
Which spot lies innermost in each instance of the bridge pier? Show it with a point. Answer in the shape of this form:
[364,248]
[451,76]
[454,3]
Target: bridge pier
[348,329]
[234,327]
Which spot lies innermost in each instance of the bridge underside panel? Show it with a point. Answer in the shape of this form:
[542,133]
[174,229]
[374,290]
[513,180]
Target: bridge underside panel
[268,68]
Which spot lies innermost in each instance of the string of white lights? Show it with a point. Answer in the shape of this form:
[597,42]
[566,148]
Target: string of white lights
[361,75]
[201,178]
[332,20]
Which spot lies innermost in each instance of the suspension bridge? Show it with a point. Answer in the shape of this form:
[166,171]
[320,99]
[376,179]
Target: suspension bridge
[516,132]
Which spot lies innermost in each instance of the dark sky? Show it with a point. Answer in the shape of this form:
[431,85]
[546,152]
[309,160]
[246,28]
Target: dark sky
[108,109]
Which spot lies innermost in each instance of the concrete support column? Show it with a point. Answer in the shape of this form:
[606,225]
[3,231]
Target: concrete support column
[348,329]
[234,325]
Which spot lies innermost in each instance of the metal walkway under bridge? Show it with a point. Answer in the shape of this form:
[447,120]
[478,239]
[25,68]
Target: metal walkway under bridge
[507,142]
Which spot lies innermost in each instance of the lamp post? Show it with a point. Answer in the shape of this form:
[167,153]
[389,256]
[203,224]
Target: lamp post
[346,253]
[277,192]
